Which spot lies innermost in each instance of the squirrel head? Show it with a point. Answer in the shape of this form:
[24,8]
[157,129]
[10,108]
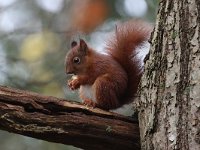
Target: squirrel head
[76,59]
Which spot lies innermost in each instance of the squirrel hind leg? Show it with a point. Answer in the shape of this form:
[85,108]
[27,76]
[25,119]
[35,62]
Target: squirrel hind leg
[86,95]
[106,96]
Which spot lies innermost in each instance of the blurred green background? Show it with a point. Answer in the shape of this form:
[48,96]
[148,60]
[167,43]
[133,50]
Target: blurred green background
[35,36]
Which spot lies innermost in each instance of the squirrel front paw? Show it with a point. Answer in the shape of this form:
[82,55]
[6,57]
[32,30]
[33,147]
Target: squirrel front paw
[73,84]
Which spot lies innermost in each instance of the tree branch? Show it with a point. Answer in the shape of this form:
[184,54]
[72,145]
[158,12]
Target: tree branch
[57,120]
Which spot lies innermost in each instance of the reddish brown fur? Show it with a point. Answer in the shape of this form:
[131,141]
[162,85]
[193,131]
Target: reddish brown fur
[114,78]
[123,46]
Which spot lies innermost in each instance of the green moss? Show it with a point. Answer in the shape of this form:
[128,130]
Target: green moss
[174,34]
[109,129]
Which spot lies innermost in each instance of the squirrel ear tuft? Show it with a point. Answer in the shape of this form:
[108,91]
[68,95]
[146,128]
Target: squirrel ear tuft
[83,46]
[73,43]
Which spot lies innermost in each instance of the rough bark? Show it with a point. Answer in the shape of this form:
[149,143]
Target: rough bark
[170,89]
[60,121]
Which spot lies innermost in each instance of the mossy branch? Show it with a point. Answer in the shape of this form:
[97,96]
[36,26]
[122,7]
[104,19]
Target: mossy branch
[58,120]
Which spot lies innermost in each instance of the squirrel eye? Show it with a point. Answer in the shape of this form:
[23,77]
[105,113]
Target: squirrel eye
[76,60]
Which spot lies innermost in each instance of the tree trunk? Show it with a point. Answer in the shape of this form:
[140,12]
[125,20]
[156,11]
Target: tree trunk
[56,120]
[170,87]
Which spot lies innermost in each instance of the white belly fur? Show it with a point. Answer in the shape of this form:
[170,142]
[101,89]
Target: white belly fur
[87,92]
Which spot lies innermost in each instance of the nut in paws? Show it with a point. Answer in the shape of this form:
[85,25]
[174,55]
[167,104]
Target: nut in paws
[73,84]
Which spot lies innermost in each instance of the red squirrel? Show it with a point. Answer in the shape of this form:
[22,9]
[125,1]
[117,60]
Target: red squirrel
[110,80]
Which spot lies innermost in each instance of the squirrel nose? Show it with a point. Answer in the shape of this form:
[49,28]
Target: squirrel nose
[69,72]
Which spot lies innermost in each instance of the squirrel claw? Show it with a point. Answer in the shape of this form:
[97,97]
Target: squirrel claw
[89,103]
[73,84]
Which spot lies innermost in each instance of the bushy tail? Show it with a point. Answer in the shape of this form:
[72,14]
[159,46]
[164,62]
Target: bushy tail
[123,47]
